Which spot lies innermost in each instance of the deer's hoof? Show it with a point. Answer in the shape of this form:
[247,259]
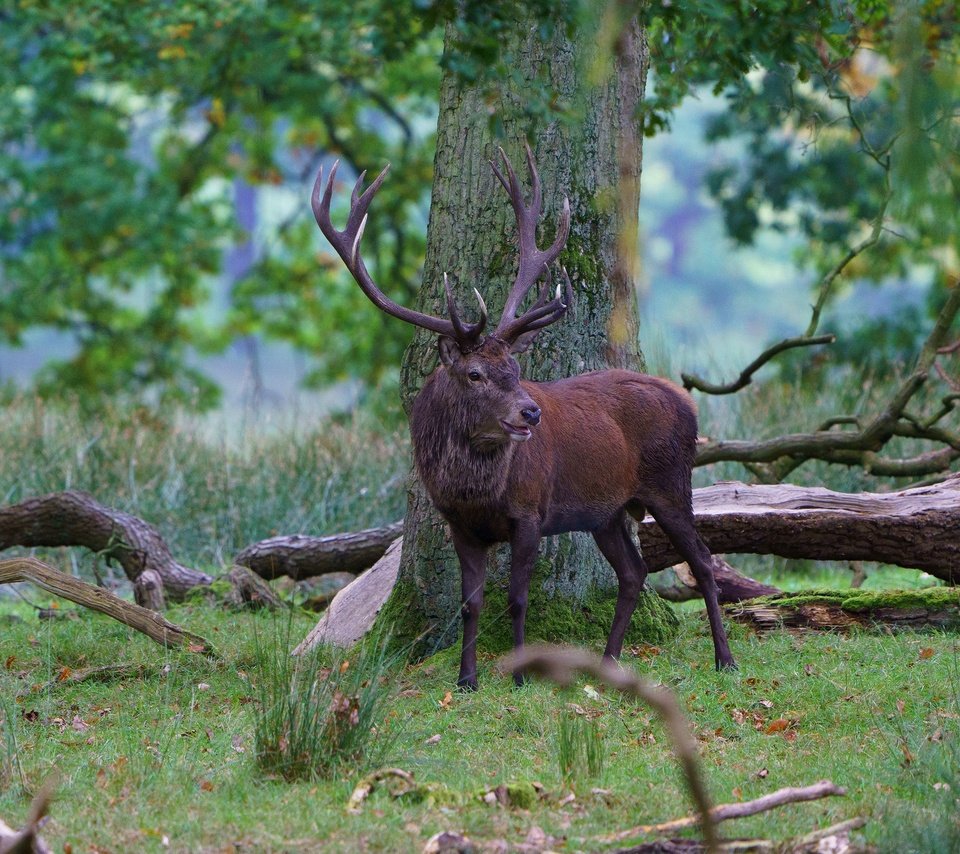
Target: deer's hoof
[468,683]
[520,679]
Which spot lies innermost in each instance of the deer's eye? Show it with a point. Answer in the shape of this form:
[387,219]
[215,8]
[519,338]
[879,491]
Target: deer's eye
[476,376]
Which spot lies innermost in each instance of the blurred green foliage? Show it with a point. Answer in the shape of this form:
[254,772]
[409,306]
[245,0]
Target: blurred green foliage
[123,131]
[852,138]
[128,132]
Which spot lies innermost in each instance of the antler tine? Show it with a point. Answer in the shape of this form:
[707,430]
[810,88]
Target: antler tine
[347,245]
[466,332]
[533,260]
[542,313]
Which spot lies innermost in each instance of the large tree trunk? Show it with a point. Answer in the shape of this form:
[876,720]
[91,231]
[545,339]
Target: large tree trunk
[595,161]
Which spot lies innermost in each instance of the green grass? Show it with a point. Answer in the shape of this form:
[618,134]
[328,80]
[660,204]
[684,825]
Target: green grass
[171,753]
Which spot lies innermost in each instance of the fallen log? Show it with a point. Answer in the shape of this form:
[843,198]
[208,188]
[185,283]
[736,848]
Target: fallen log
[66,586]
[917,528]
[926,608]
[677,584]
[300,556]
[74,518]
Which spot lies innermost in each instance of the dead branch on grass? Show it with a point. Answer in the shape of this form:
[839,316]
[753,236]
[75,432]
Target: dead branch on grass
[66,586]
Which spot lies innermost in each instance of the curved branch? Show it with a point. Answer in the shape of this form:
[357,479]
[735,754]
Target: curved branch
[563,665]
[859,447]
[73,518]
[691,381]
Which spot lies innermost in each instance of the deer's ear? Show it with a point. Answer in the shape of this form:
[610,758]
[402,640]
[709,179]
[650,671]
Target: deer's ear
[449,350]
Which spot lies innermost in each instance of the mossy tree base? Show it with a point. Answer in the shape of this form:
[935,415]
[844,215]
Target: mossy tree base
[550,619]
[931,608]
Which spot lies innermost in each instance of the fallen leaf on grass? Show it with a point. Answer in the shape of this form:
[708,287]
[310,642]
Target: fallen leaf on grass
[779,725]
[206,785]
[446,701]
[434,739]
[926,652]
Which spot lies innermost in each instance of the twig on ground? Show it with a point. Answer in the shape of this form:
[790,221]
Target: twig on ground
[724,812]
[562,665]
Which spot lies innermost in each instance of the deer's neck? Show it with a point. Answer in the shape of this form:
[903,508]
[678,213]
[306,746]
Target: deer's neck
[457,472]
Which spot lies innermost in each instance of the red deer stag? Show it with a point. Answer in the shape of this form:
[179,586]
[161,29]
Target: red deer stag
[507,460]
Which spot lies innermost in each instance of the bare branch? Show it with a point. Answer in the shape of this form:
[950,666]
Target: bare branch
[859,447]
[690,381]
[562,665]
[143,620]
[724,812]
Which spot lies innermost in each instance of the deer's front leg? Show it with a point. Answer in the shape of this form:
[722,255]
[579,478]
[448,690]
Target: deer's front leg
[473,570]
[524,540]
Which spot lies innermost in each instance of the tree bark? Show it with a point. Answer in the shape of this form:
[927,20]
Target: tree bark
[77,519]
[595,161]
[299,556]
[915,527]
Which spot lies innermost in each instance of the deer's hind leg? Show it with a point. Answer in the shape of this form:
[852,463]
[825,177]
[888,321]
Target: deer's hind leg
[675,515]
[618,548]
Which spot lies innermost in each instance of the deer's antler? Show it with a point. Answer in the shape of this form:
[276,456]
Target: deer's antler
[347,244]
[534,262]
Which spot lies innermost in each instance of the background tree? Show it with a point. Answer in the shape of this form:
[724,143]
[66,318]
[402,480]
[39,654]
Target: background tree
[128,134]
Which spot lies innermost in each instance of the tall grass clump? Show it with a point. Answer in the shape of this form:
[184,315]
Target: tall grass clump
[322,712]
[580,748]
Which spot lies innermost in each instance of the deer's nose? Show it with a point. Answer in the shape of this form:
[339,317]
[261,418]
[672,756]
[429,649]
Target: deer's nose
[531,415]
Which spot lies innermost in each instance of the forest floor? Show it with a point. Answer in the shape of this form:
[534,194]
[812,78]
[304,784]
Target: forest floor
[162,756]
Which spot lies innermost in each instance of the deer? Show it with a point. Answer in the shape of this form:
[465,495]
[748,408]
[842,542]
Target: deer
[510,460]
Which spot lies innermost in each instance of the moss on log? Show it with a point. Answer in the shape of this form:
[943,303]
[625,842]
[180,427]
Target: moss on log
[926,608]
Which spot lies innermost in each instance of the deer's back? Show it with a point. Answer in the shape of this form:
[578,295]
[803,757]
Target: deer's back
[605,439]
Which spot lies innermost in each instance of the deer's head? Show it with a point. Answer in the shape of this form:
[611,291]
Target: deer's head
[480,365]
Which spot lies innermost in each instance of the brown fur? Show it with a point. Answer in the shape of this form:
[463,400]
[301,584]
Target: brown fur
[608,443]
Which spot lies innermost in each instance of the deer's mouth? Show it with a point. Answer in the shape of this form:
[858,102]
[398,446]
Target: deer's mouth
[517,433]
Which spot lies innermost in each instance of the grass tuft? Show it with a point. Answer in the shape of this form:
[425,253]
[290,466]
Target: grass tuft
[322,711]
[580,748]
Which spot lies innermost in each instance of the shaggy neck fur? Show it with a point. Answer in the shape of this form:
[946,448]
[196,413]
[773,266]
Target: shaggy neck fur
[457,466]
